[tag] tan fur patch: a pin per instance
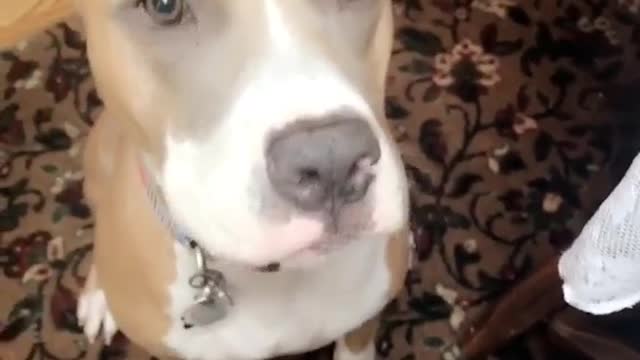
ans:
(398, 261)
(358, 339)
(133, 252)
(380, 58)
(19, 20)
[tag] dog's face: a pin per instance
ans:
(262, 120)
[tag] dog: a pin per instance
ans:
(249, 199)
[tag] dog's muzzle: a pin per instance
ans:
(322, 165)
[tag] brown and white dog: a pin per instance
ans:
(256, 128)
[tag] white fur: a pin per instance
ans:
(93, 313)
(292, 310)
(279, 35)
(215, 187)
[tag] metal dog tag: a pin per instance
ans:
(213, 302)
(205, 311)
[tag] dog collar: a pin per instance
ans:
(162, 211)
(178, 232)
(212, 301)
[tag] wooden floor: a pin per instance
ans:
(20, 19)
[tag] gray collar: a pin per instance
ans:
(160, 208)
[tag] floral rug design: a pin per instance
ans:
(497, 107)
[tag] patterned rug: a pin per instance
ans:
(497, 106)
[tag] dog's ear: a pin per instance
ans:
(78, 4)
(399, 260)
(21, 19)
(380, 49)
(82, 6)
(13, 11)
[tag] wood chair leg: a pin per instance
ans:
(525, 305)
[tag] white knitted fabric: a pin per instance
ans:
(601, 270)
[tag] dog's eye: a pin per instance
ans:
(164, 12)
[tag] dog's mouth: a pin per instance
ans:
(337, 234)
(304, 239)
(289, 236)
(318, 251)
(341, 227)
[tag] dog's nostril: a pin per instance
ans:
(311, 162)
(361, 167)
(360, 177)
(308, 176)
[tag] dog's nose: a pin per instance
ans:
(320, 164)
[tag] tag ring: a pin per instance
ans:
(198, 281)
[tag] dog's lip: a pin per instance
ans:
(319, 244)
(326, 245)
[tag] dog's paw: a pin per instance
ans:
(93, 315)
(343, 352)
(451, 352)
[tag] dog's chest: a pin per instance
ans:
(287, 311)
